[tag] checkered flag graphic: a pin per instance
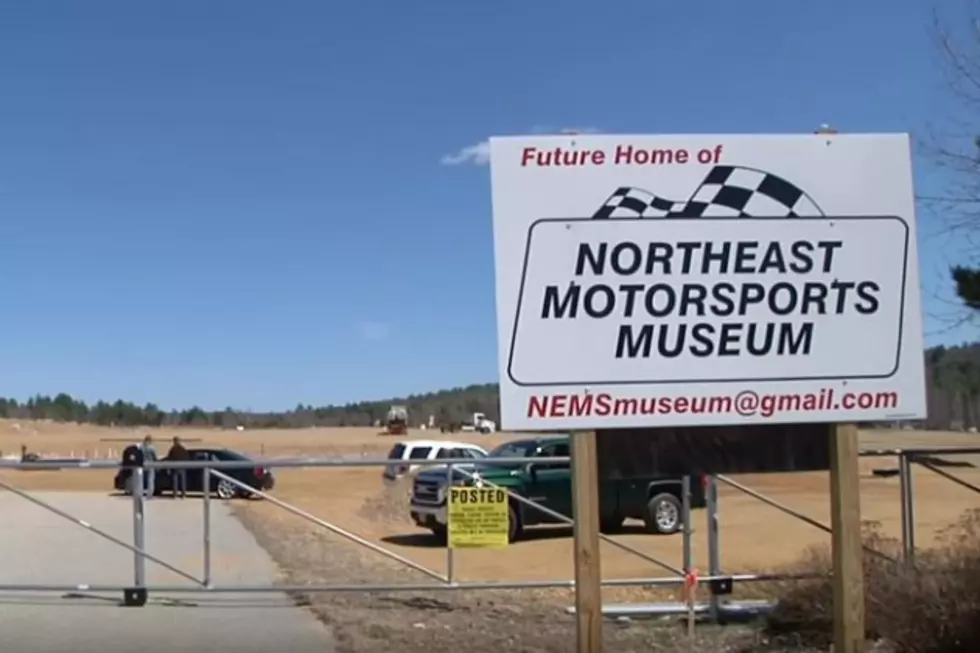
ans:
(726, 192)
(629, 202)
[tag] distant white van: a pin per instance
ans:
(407, 451)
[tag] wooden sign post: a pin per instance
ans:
(588, 574)
(845, 519)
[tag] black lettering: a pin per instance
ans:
(659, 253)
(650, 300)
(692, 295)
(687, 260)
(711, 256)
(773, 258)
(634, 259)
(728, 340)
(631, 289)
(867, 290)
(701, 335)
(801, 251)
(474, 496)
(841, 287)
(675, 351)
(794, 343)
(607, 299)
(829, 247)
(752, 293)
(773, 302)
(633, 347)
(703, 339)
(595, 260)
(745, 256)
(569, 304)
(722, 294)
(751, 342)
(501, 496)
(814, 294)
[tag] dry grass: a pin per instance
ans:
(931, 607)
(356, 500)
(528, 621)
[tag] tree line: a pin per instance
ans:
(445, 407)
(953, 390)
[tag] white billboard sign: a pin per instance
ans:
(697, 280)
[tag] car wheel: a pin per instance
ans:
(514, 529)
(226, 489)
(663, 514)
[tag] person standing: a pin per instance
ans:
(149, 475)
(178, 453)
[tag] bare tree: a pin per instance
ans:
(955, 149)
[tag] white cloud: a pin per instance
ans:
(479, 153)
(373, 331)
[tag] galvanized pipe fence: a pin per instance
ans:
(719, 583)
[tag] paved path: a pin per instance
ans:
(39, 547)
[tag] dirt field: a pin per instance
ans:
(755, 537)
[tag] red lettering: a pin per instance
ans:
(537, 406)
(628, 155)
(580, 405)
(681, 405)
(561, 157)
(602, 404)
(559, 404)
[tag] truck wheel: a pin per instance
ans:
(514, 529)
(663, 514)
(441, 534)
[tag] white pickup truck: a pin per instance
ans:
(478, 424)
(405, 456)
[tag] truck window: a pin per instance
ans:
(554, 451)
(446, 453)
(419, 453)
(396, 452)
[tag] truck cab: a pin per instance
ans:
(655, 501)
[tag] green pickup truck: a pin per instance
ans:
(655, 501)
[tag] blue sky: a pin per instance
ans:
(258, 204)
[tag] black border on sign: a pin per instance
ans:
(901, 310)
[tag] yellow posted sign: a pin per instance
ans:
(478, 517)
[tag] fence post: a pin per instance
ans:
(686, 520)
(714, 543)
(136, 596)
(907, 498)
(450, 552)
(688, 554)
(206, 486)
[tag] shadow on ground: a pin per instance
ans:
(427, 540)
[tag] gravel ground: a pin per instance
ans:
(528, 621)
